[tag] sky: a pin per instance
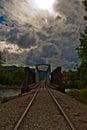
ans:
(41, 32)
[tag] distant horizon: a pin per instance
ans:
(34, 67)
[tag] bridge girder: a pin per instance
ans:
(38, 70)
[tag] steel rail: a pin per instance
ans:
(34, 86)
(25, 112)
(61, 110)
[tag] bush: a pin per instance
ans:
(11, 77)
(79, 94)
(77, 84)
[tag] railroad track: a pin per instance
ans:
(26, 111)
(49, 95)
(61, 110)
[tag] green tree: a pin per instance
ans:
(0, 59)
(85, 5)
(18, 76)
(82, 52)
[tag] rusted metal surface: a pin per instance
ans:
(29, 78)
(57, 78)
(32, 77)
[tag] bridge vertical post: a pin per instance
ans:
(37, 74)
(29, 78)
(57, 78)
(48, 74)
(60, 77)
(25, 83)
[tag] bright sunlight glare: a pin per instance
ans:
(45, 5)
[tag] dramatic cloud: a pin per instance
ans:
(41, 36)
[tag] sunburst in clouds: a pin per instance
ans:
(46, 5)
(51, 26)
(30, 12)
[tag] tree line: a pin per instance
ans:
(78, 78)
(11, 75)
(82, 52)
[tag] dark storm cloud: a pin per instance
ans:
(56, 38)
(41, 54)
(34, 58)
(13, 58)
(52, 51)
(23, 39)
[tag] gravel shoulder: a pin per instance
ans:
(12, 110)
(74, 109)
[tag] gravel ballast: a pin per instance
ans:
(43, 115)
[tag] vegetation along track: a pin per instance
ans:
(43, 113)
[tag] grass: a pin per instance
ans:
(79, 94)
(10, 87)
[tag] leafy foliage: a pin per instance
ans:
(74, 80)
(0, 59)
(80, 95)
(85, 5)
(82, 52)
(11, 76)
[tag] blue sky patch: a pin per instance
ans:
(2, 19)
